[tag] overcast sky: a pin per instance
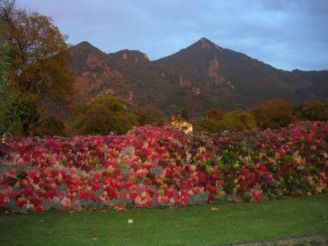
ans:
(287, 34)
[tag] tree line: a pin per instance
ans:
(273, 113)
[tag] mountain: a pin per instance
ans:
(201, 76)
(230, 79)
(127, 74)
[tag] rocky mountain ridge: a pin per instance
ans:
(201, 76)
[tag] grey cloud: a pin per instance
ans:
(287, 34)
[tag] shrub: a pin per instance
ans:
(207, 124)
(273, 113)
(236, 121)
(160, 167)
(18, 113)
(216, 121)
(50, 126)
(210, 121)
(103, 116)
(312, 110)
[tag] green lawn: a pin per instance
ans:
(232, 223)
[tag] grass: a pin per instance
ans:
(232, 223)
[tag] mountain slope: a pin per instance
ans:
(195, 79)
(126, 74)
(233, 79)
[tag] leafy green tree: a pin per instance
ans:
(18, 113)
(4, 62)
(312, 110)
(273, 113)
(236, 121)
(103, 116)
(4, 68)
(210, 120)
(50, 126)
(216, 120)
(39, 52)
(37, 69)
(207, 124)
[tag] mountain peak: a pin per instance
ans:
(85, 46)
(205, 40)
(134, 56)
(205, 44)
